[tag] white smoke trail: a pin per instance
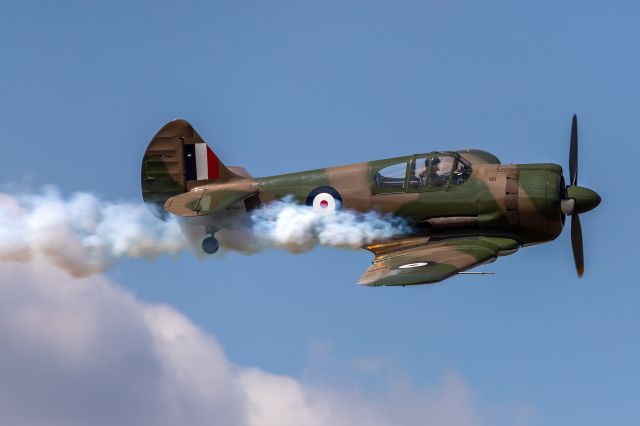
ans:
(296, 228)
(82, 234)
(85, 235)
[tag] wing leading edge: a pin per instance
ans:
(418, 261)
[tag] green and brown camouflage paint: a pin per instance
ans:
(499, 208)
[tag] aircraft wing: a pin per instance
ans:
(419, 261)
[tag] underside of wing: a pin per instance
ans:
(419, 261)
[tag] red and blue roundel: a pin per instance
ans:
(324, 199)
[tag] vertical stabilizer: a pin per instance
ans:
(177, 160)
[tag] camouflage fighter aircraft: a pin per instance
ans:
(465, 206)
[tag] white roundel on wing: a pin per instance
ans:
(413, 265)
(324, 203)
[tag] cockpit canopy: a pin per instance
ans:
(424, 172)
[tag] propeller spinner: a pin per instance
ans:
(577, 200)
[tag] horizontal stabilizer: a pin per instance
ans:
(202, 203)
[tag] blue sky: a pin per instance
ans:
(287, 85)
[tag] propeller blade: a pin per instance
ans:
(573, 152)
(576, 244)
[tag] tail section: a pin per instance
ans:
(177, 160)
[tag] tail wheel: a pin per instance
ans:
(210, 245)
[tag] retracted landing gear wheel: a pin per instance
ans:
(210, 245)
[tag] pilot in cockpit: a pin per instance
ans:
(422, 174)
(436, 177)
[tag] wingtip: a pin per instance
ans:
(366, 283)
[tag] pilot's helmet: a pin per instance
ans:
(435, 161)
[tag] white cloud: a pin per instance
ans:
(85, 351)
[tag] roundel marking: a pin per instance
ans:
(324, 203)
(324, 199)
(413, 265)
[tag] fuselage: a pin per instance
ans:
(476, 195)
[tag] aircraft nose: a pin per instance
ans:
(585, 199)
